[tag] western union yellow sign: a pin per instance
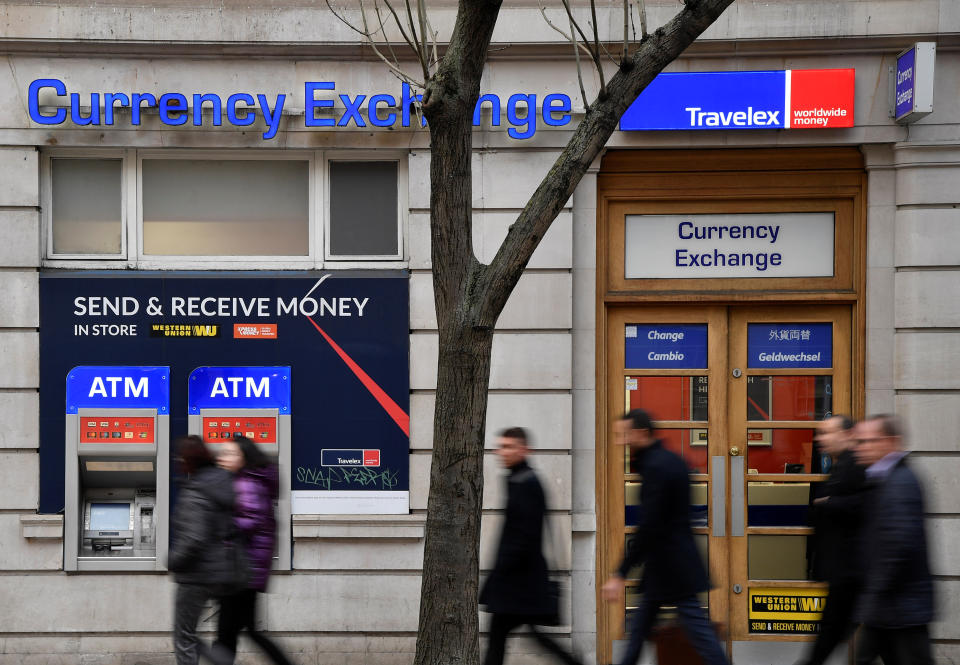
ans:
(794, 611)
(183, 330)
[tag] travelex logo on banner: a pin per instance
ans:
(666, 346)
(118, 387)
(241, 109)
(794, 345)
(784, 99)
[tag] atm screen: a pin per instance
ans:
(109, 516)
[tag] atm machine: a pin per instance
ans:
(226, 402)
(117, 468)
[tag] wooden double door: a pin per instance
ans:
(737, 392)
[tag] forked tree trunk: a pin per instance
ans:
(469, 297)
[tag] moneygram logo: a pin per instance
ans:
(255, 330)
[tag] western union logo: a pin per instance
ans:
(793, 604)
(183, 330)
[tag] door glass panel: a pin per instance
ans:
(689, 444)
(781, 451)
(636, 572)
(778, 504)
(777, 557)
(699, 515)
(789, 397)
(682, 398)
(631, 503)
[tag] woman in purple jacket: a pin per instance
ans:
(255, 486)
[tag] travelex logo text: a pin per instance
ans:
(788, 99)
(241, 109)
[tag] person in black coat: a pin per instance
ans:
(896, 603)
(518, 592)
(836, 518)
(199, 557)
(673, 572)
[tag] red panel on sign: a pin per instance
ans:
(371, 458)
(259, 429)
(111, 429)
(821, 98)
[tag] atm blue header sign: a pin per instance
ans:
(774, 99)
(118, 387)
(790, 345)
(666, 346)
(239, 388)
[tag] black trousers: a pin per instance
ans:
(237, 613)
(500, 627)
(837, 622)
(894, 646)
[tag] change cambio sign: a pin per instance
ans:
(729, 245)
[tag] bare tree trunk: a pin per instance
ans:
(448, 609)
(469, 298)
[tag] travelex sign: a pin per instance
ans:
(241, 109)
(666, 346)
(784, 99)
(703, 246)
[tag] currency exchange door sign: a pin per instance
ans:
(790, 611)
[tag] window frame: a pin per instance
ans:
(46, 202)
(298, 261)
(132, 256)
(402, 207)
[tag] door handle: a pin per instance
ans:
(735, 451)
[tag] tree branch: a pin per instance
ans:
(585, 145)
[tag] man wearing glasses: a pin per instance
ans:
(896, 603)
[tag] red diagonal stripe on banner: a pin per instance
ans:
(399, 416)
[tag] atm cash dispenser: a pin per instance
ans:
(226, 402)
(117, 468)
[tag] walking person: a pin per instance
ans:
(673, 572)
(896, 604)
(837, 517)
(256, 486)
(199, 557)
(518, 591)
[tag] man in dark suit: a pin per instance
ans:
(837, 517)
(517, 592)
(673, 572)
(896, 603)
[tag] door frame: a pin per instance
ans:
(646, 180)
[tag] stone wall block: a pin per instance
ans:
(20, 415)
(930, 420)
(21, 485)
(520, 361)
(547, 418)
(927, 237)
(20, 553)
(926, 360)
(20, 306)
(553, 471)
(927, 299)
(19, 360)
(21, 239)
(20, 185)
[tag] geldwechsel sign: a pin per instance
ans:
(729, 245)
(790, 345)
(344, 336)
(787, 611)
(779, 99)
